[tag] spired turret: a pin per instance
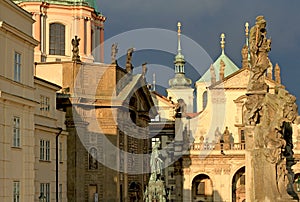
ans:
(180, 80)
(180, 85)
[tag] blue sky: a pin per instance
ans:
(203, 21)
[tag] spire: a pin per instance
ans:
(154, 81)
(179, 81)
(179, 34)
(247, 39)
(179, 58)
(222, 42)
(245, 50)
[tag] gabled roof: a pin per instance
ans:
(230, 68)
(165, 100)
(137, 83)
(239, 79)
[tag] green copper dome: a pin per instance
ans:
(90, 3)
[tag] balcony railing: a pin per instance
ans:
(217, 146)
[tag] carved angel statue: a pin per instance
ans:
(114, 51)
(260, 45)
(75, 50)
(155, 161)
(129, 66)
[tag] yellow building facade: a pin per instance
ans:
(30, 121)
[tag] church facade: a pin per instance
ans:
(208, 157)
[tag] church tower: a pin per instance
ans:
(57, 22)
(180, 85)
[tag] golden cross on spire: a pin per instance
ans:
(222, 42)
(179, 26)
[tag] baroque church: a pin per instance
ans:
(207, 161)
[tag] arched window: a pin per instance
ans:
(57, 39)
(93, 163)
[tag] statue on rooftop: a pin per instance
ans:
(75, 50)
(222, 70)
(114, 51)
(212, 74)
(129, 66)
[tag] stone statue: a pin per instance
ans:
(244, 53)
(259, 48)
(129, 66)
(180, 109)
(212, 74)
(222, 70)
(270, 71)
(155, 161)
(277, 74)
(75, 50)
(114, 51)
(155, 191)
(268, 128)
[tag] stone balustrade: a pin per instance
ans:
(217, 146)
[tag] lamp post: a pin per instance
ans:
(42, 197)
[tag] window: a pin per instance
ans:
(17, 67)
(45, 150)
(16, 132)
(57, 39)
(242, 136)
(44, 103)
(93, 164)
(16, 191)
(45, 191)
(154, 140)
(204, 100)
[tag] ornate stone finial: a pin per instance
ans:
(114, 51)
(277, 74)
(222, 42)
(212, 74)
(129, 66)
(144, 69)
(222, 70)
(75, 50)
